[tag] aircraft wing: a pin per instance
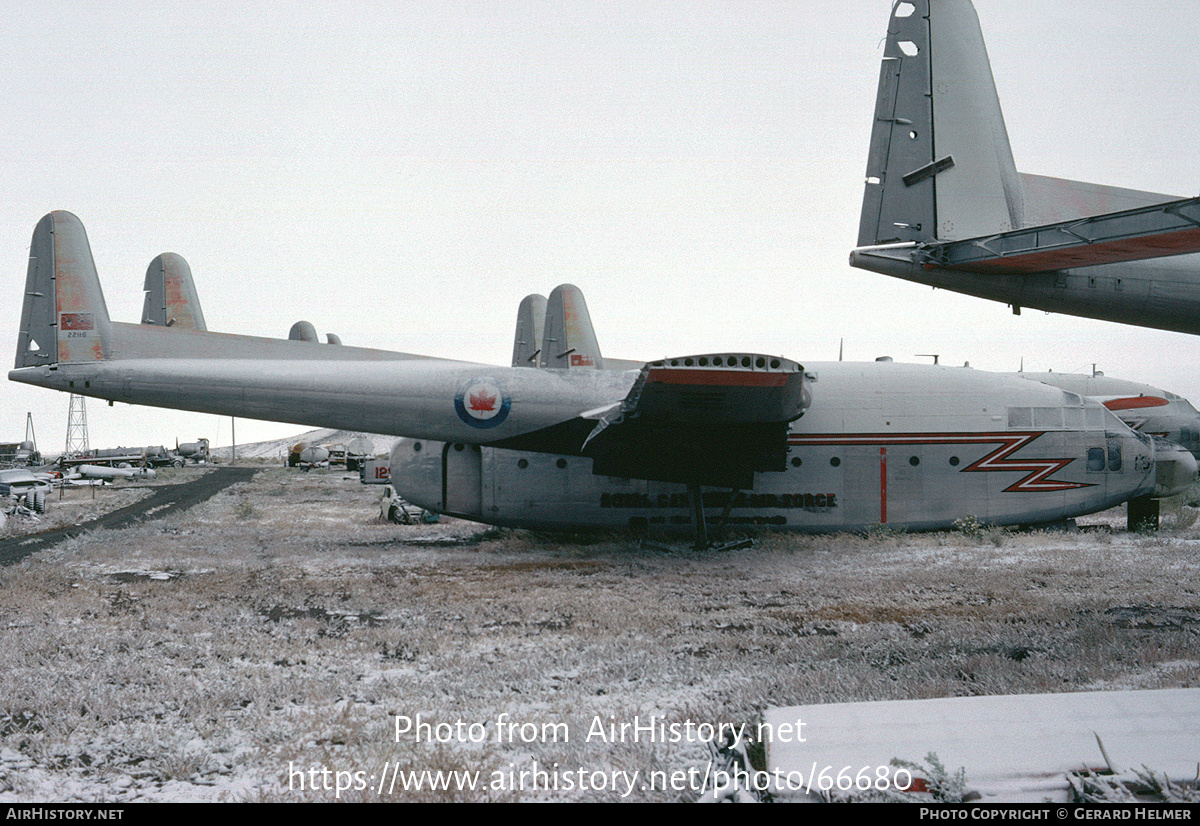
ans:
(710, 420)
(1156, 231)
(1014, 748)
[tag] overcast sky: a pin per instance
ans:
(403, 174)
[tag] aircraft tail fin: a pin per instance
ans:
(948, 179)
(531, 319)
(568, 338)
(171, 299)
(63, 317)
(303, 331)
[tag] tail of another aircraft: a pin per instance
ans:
(63, 317)
(568, 338)
(171, 299)
(953, 178)
(531, 319)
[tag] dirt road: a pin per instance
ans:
(165, 500)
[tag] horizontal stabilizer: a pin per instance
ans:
(709, 420)
(1156, 231)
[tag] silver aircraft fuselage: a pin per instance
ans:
(913, 447)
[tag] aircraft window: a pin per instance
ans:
(1020, 417)
(522, 463)
(1114, 456)
(1049, 417)
(796, 462)
(914, 460)
(745, 361)
(703, 362)
(835, 461)
(561, 463)
(416, 447)
(1095, 459)
(954, 461)
(760, 362)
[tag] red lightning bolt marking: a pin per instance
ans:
(1038, 470)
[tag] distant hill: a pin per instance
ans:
(278, 448)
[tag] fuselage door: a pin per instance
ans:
(462, 480)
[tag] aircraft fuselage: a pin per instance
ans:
(912, 447)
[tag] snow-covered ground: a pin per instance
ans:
(279, 642)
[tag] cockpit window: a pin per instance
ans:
(1090, 416)
(1048, 418)
(1114, 455)
(1020, 417)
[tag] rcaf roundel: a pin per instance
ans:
(481, 403)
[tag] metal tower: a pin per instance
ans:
(77, 437)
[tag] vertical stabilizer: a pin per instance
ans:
(171, 299)
(303, 331)
(527, 343)
(940, 165)
(568, 339)
(63, 317)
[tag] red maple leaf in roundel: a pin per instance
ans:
(483, 401)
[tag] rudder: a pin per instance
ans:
(63, 316)
(945, 180)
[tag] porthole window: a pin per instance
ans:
(796, 461)
(522, 463)
(835, 461)
(914, 460)
(561, 463)
(953, 461)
